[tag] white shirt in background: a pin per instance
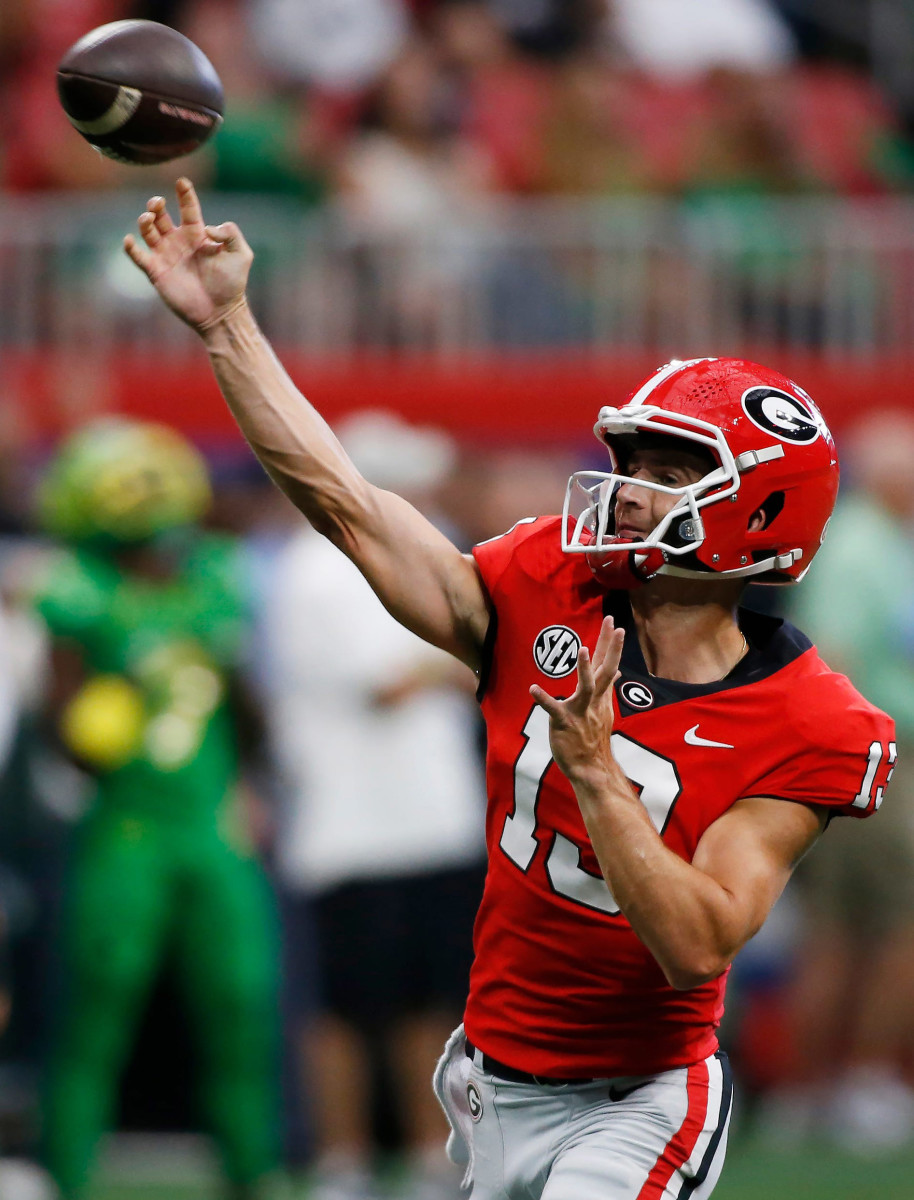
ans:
(371, 792)
(676, 39)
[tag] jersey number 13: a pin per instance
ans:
(654, 775)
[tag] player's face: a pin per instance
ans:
(639, 510)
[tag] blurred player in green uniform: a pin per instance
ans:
(147, 621)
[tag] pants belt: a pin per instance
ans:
(492, 1066)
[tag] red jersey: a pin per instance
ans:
(561, 985)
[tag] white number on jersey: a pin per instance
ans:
(866, 796)
(518, 838)
(655, 775)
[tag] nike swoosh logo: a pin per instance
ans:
(692, 739)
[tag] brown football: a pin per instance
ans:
(140, 92)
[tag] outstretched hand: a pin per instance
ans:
(580, 727)
(200, 271)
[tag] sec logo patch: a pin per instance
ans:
(474, 1101)
(555, 650)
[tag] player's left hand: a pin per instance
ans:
(579, 727)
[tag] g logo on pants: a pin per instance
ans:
(474, 1101)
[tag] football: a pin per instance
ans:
(140, 92)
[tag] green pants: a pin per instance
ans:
(141, 890)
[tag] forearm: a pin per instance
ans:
(291, 439)
(682, 915)
(418, 574)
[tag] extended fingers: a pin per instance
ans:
(552, 706)
(608, 653)
(607, 629)
(163, 222)
(137, 253)
(148, 229)
(188, 204)
(584, 690)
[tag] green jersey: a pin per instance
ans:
(174, 639)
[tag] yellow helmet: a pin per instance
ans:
(119, 480)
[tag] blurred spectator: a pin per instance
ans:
(380, 840)
(844, 130)
(590, 136)
(148, 620)
(550, 29)
(408, 166)
(875, 37)
(499, 97)
(339, 45)
(674, 40)
(840, 38)
(496, 486)
(743, 145)
(852, 1001)
(742, 156)
(268, 143)
(408, 171)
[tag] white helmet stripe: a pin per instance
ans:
(678, 364)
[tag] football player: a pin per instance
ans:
(658, 758)
(147, 615)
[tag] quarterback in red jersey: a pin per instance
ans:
(658, 760)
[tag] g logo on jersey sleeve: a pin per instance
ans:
(555, 650)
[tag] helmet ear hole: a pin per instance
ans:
(771, 507)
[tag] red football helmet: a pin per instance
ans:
(771, 450)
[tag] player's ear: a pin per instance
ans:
(757, 520)
(766, 512)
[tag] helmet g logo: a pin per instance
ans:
(780, 414)
(555, 650)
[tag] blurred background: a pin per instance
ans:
(229, 951)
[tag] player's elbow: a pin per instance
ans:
(701, 951)
(684, 981)
(692, 970)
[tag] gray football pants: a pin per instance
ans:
(650, 1137)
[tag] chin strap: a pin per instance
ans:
(626, 571)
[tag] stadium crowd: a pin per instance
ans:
(391, 104)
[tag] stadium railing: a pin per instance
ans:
(830, 276)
